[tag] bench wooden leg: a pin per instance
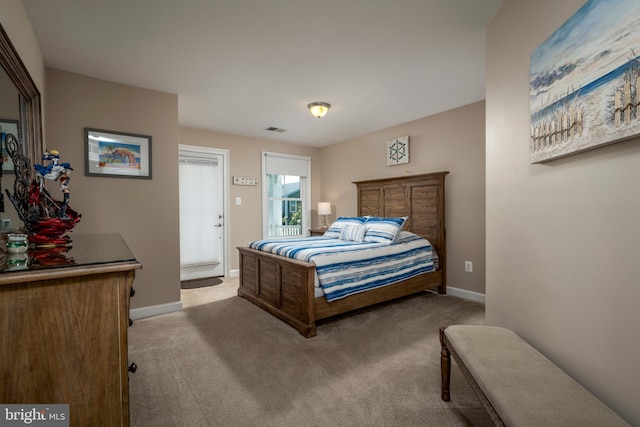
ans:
(445, 367)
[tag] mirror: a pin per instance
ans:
(21, 102)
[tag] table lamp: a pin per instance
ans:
(324, 209)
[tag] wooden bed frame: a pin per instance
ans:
(285, 287)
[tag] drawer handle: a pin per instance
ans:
(133, 368)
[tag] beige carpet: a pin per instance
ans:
(224, 362)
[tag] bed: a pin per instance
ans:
(286, 287)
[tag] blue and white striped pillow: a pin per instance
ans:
(335, 229)
(383, 230)
(353, 233)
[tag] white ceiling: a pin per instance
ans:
(240, 66)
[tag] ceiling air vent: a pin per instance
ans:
(274, 129)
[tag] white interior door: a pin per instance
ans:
(202, 213)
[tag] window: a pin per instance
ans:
(286, 185)
(284, 205)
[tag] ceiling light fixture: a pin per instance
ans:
(319, 109)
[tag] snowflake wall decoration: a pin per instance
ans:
(398, 151)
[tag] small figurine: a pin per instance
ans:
(49, 219)
(56, 171)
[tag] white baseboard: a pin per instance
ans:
(463, 293)
(155, 310)
(234, 273)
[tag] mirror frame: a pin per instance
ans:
(30, 103)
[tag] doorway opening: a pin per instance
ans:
(203, 187)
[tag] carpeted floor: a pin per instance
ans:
(224, 362)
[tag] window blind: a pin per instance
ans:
(281, 164)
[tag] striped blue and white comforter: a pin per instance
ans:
(344, 267)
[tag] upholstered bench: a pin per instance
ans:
(517, 385)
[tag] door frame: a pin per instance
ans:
(225, 193)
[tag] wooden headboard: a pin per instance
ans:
(419, 197)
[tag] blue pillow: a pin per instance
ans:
(383, 230)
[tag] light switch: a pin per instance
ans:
(238, 201)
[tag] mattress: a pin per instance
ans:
(345, 267)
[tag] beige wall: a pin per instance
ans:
(17, 26)
(144, 212)
(451, 141)
(562, 237)
(245, 222)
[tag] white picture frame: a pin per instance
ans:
(398, 151)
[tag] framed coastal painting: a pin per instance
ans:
(585, 81)
(117, 154)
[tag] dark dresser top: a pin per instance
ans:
(86, 250)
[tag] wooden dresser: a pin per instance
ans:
(63, 326)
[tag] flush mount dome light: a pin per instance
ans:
(319, 109)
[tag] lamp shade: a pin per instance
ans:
(319, 109)
(324, 208)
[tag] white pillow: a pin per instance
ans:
(353, 233)
(335, 229)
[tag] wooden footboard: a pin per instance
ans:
(281, 286)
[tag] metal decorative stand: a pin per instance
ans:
(45, 218)
(22, 169)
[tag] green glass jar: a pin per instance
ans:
(17, 243)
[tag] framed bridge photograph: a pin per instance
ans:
(117, 154)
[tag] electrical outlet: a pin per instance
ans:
(468, 266)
